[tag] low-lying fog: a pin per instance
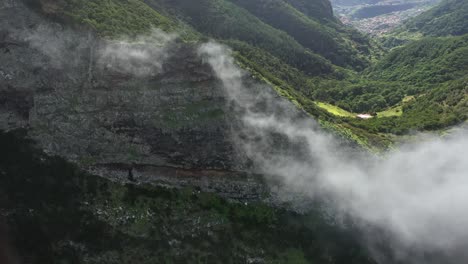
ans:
(417, 195)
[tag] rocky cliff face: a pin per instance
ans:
(80, 100)
(149, 106)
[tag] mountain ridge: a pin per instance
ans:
(126, 144)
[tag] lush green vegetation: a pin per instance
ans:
(426, 68)
(361, 95)
(448, 18)
(392, 111)
(114, 18)
(55, 213)
(224, 20)
(338, 111)
(426, 61)
(412, 69)
(117, 17)
(318, 9)
(321, 38)
(335, 110)
(441, 107)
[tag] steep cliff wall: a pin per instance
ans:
(82, 100)
(146, 105)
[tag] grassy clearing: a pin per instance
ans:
(408, 98)
(394, 111)
(335, 110)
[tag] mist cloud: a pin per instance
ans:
(418, 194)
(55, 43)
(140, 56)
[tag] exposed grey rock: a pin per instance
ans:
(77, 107)
(173, 123)
(7, 4)
(233, 185)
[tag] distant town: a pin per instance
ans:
(381, 17)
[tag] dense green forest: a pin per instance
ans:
(222, 19)
(448, 18)
(409, 70)
(321, 38)
(442, 106)
(427, 61)
(321, 10)
(118, 18)
(412, 80)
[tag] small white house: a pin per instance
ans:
(364, 116)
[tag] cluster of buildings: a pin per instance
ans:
(381, 24)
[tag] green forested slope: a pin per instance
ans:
(422, 83)
(426, 61)
(317, 9)
(435, 70)
(113, 18)
(440, 107)
(430, 74)
(322, 38)
(224, 20)
(118, 17)
(283, 46)
(448, 18)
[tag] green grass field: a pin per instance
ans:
(394, 111)
(338, 111)
(335, 110)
